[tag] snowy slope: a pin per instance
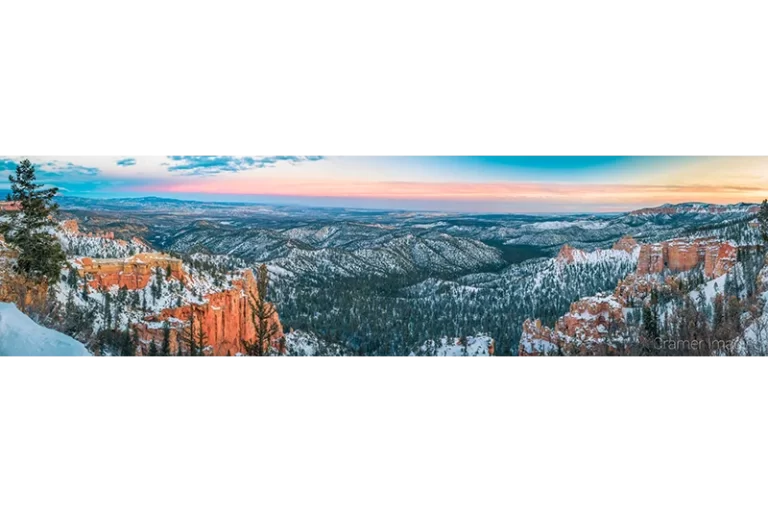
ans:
(20, 336)
(299, 343)
(480, 345)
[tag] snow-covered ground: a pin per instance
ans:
(479, 345)
(298, 343)
(20, 336)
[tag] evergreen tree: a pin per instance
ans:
(261, 316)
(189, 334)
(202, 342)
(165, 349)
(107, 309)
(86, 291)
(127, 342)
(762, 219)
(40, 255)
(72, 278)
(152, 348)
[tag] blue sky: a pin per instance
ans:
(451, 183)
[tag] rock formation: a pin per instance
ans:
(71, 227)
(225, 318)
(626, 244)
(133, 272)
(10, 206)
(569, 254)
(13, 287)
(596, 325)
(589, 328)
(681, 255)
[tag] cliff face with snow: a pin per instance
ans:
(225, 318)
(149, 292)
(20, 336)
(98, 244)
(592, 326)
(597, 325)
(624, 249)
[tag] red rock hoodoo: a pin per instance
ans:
(225, 318)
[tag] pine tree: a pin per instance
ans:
(127, 343)
(72, 278)
(261, 316)
(158, 290)
(762, 219)
(189, 334)
(152, 348)
(107, 309)
(202, 342)
(165, 350)
(40, 255)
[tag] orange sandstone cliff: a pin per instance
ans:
(71, 227)
(626, 244)
(133, 272)
(225, 318)
(681, 255)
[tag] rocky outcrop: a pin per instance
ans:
(133, 272)
(225, 319)
(13, 287)
(596, 325)
(72, 228)
(537, 340)
(10, 206)
(593, 326)
(569, 254)
(680, 255)
(626, 244)
(623, 248)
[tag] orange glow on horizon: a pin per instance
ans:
(461, 191)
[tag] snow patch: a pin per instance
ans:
(20, 336)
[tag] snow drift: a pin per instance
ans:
(20, 336)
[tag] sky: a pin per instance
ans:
(493, 184)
